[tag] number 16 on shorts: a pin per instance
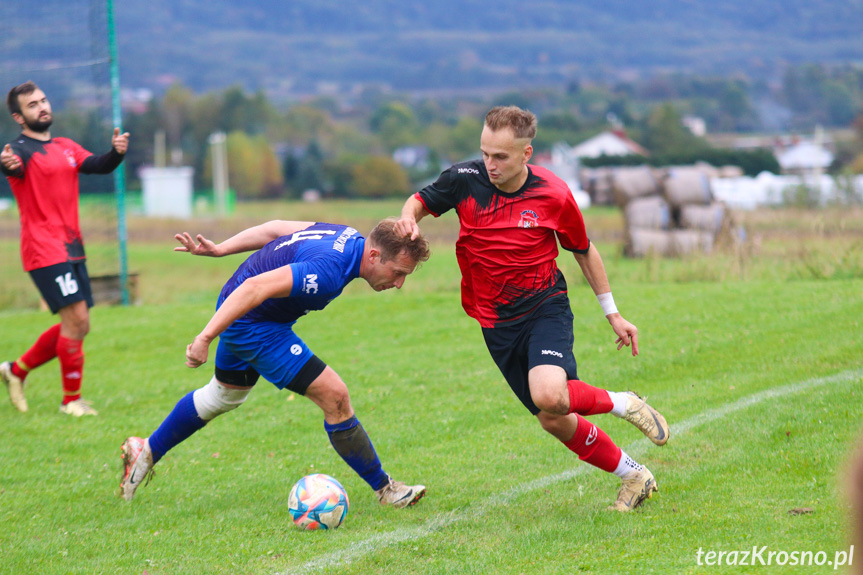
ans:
(67, 284)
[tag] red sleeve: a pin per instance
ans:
(570, 230)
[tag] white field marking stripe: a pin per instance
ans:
(377, 542)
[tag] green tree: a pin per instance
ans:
(302, 124)
(464, 140)
(253, 169)
(176, 115)
(665, 133)
(379, 177)
(395, 124)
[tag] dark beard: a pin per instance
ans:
(39, 126)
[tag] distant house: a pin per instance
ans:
(804, 158)
(697, 126)
(412, 157)
(609, 143)
(565, 167)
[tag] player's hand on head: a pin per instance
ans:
(120, 142)
(407, 227)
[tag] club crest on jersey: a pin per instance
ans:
(529, 219)
(70, 157)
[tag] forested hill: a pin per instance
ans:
(302, 45)
(305, 46)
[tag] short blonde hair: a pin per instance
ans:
(521, 122)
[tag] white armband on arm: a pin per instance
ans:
(606, 300)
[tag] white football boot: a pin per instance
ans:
(397, 494)
(635, 487)
(14, 385)
(137, 465)
(78, 408)
(645, 418)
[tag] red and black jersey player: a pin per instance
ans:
(43, 173)
(512, 216)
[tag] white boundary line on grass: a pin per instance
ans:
(377, 542)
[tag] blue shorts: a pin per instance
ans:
(270, 349)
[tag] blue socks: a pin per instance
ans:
(352, 443)
(180, 424)
(348, 438)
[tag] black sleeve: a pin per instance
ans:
(104, 164)
(10, 173)
(440, 196)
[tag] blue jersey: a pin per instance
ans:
(324, 258)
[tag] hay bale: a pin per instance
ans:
(707, 218)
(649, 212)
(731, 172)
(708, 170)
(684, 186)
(642, 242)
(633, 182)
(684, 242)
(598, 183)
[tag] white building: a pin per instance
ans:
(609, 144)
(804, 158)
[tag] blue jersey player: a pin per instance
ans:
(298, 267)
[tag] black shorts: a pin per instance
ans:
(63, 284)
(544, 338)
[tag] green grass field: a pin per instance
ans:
(754, 358)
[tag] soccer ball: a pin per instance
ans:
(318, 502)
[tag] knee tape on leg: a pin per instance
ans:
(214, 399)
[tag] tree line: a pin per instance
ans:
(343, 147)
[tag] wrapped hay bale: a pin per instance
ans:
(685, 186)
(684, 242)
(731, 172)
(633, 182)
(649, 212)
(642, 242)
(708, 170)
(602, 186)
(706, 218)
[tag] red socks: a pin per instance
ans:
(44, 350)
(592, 445)
(71, 355)
(50, 345)
(585, 399)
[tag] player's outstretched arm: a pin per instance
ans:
(10, 162)
(250, 239)
(120, 142)
(250, 294)
(594, 272)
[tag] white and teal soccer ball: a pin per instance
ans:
(318, 502)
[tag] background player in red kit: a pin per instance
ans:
(43, 173)
(512, 215)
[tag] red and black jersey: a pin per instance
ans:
(46, 190)
(507, 243)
